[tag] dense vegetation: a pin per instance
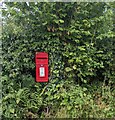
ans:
(80, 41)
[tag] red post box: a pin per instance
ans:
(41, 59)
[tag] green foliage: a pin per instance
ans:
(79, 38)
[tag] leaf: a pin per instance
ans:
(45, 23)
(56, 21)
(61, 21)
(78, 60)
(70, 61)
(68, 69)
(9, 96)
(84, 89)
(74, 67)
(18, 100)
(19, 92)
(69, 107)
(12, 110)
(61, 29)
(81, 48)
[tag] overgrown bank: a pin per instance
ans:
(79, 38)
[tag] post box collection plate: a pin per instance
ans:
(41, 59)
(42, 72)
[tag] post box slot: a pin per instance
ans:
(41, 58)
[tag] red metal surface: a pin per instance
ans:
(41, 59)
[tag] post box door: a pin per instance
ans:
(42, 73)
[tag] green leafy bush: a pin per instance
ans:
(79, 39)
